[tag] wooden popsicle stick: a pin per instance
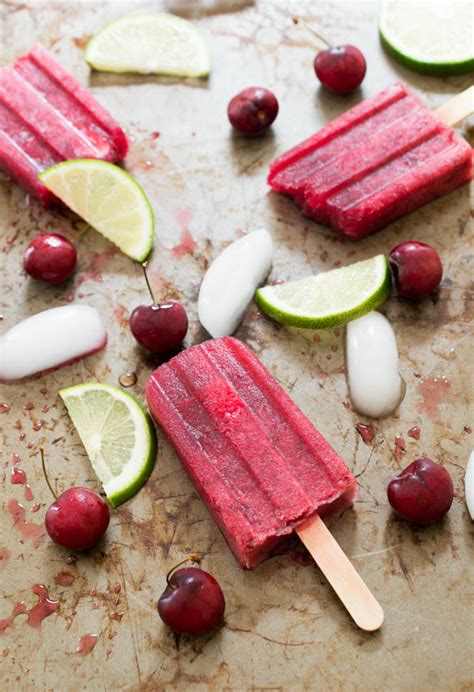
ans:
(457, 108)
(341, 574)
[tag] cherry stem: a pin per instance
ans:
(46, 475)
(148, 283)
(297, 20)
(190, 558)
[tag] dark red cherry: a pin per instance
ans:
(51, 258)
(422, 492)
(160, 327)
(77, 519)
(417, 269)
(192, 602)
(341, 68)
(252, 111)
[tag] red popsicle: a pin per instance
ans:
(46, 117)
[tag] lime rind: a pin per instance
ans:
(109, 199)
(413, 32)
(336, 297)
(182, 51)
(114, 425)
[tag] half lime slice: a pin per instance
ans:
(149, 43)
(329, 299)
(118, 435)
(109, 199)
(433, 37)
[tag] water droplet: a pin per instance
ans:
(128, 379)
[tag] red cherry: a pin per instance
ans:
(192, 602)
(422, 492)
(253, 110)
(159, 327)
(416, 268)
(77, 519)
(341, 68)
(51, 258)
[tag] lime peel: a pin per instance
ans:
(329, 299)
(118, 436)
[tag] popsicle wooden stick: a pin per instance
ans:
(341, 574)
(457, 108)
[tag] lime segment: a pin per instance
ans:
(109, 199)
(329, 299)
(433, 37)
(149, 43)
(118, 435)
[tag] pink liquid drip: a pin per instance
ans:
(64, 578)
(36, 507)
(366, 432)
(414, 432)
(4, 408)
(46, 606)
(186, 246)
(399, 447)
(117, 588)
(33, 532)
(18, 609)
(37, 425)
(16, 458)
(96, 264)
(117, 616)
(86, 644)
(45, 409)
(29, 406)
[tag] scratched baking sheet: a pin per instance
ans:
(284, 628)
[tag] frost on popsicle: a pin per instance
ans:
(49, 340)
(376, 387)
(230, 282)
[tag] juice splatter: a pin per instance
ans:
(86, 644)
(120, 314)
(366, 432)
(28, 530)
(414, 432)
(399, 447)
(186, 246)
(432, 390)
(64, 578)
(46, 606)
(4, 555)
(4, 408)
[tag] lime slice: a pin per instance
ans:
(151, 43)
(433, 37)
(329, 299)
(118, 435)
(109, 199)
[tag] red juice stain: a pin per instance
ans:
(36, 507)
(117, 616)
(302, 557)
(414, 432)
(64, 578)
(44, 390)
(120, 314)
(468, 429)
(45, 607)
(154, 135)
(366, 432)
(97, 262)
(117, 588)
(277, 282)
(5, 652)
(432, 390)
(37, 425)
(45, 409)
(337, 263)
(4, 408)
(18, 609)
(4, 555)
(86, 644)
(29, 406)
(186, 246)
(33, 532)
(16, 458)
(399, 447)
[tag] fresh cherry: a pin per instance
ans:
(422, 492)
(339, 68)
(78, 518)
(51, 258)
(192, 602)
(159, 327)
(252, 111)
(416, 268)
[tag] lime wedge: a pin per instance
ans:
(109, 199)
(118, 435)
(150, 43)
(433, 37)
(329, 299)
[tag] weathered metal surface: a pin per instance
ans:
(284, 627)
